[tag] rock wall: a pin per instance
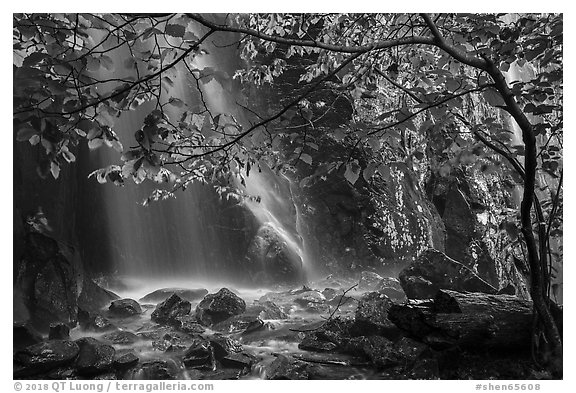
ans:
(382, 225)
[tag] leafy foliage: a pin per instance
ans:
(444, 93)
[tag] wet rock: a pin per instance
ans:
(93, 297)
(391, 287)
(224, 346)
(61, 373)
(425, 369)
(239, 323)
(254, 326)
(189, 324)
(369, 281)
(170, 309)
(219, 306)
(200, 355)
(222, 374)
(94, 322)
(162, 294)
(45, 356)
(379, 350)
(125, 308)
(284, 367)
(309, 299)
(121, 337)
(371, 316)
(266, 310)
(312, 342)
(171, 342)
(336, 330)
(59, 331)
(48, 282)
(410, 349)
(24, 336)
(126, 361)
(94, 357)
(238, 360)
(273, 259)
(106, 377)
(434, 270)
(330, 293)
(154, 370)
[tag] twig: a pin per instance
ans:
(340, 303)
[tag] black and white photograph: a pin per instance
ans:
(287, 196)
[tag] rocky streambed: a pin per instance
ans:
(330, 329)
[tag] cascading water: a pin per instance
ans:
(196, 237)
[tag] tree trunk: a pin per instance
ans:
(468, 320)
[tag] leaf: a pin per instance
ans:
(34, 140)
(375, 143)
(68, 156)
(25, 134)
(168, 81)
(130, 63)
(306, 158)
(370, 170)
(452, 85)
(95, 143)
(178, 103)
(175, 30)
(55, 169)
(493, 97)
(352, 172)
(107, 62)
(338, 134)
(445, 170)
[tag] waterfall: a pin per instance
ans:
(197, 236)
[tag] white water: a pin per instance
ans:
(194, 238)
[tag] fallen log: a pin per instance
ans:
(468, 320)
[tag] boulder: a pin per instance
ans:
(153, 370)
(162, 294)
(285, 367)
(44, 356)
(238, 360)
(24, 335)
(93, 297)
(371, 317)
(410, 349)
(125, 308)
(94, 322)
(369, 281)
(94, 357)
(121, 337)
(433, 270)
(392, 288)
(48, 281)
(238, 323)
(126, 361)
(219, 306)
(312, 342)
(224, 346)
(200, 355)
(170, 309)
(189, 324)
(377, 349)
(59, 331)
(426, 368)
(171, 342)
(274, 258)
(266, 310)
(309, 299)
